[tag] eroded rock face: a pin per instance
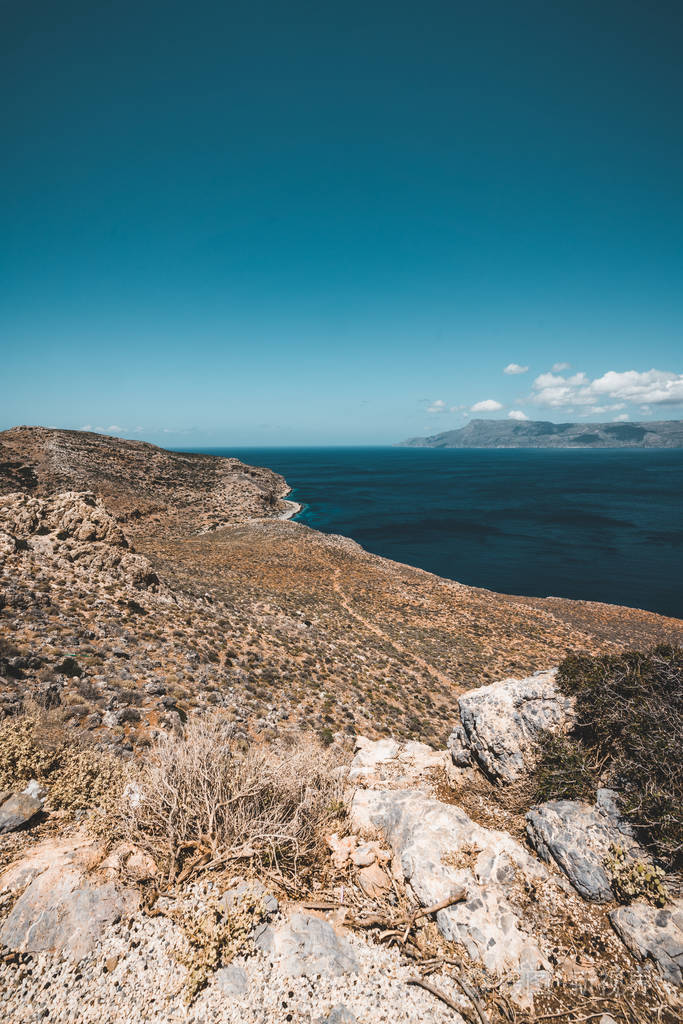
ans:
(577, 837)
(75, 528)
(500, 722)
(654, 933)
(307, 946)
(441, 849)
(64, 907)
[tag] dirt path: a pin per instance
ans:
(397, 646)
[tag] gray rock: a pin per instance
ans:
(459, 748)
(499, 723)
(340, 1015)
(441, 849)
(654, 933)
(110, 719)
(61, 906)
(577, 837)
(232, 980)
(62, 911)
(307, 946)
(18, 810)
(270, 903)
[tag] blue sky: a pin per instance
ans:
(310, 223)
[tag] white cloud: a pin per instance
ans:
(621, 418)
(113, 429)
(655, 387)
(512, 368)
(559, 367)
(438, 406)
(88, 426)
(488, 405)
(517, 414)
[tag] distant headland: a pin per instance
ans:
(544, 434)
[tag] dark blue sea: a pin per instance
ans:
(594, 524)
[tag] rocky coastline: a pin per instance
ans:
(136, 606)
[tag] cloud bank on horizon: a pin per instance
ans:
(624, 393)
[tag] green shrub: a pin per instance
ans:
(631, 879)
(629, 735)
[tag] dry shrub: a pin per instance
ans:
(203, 798)
(36, 745)
(565, 769)
(629, 735)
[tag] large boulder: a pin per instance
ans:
(499, 723)
(654, 933)
(577, 837)
(65, 906)
(440, 849)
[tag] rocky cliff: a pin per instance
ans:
(544, 434)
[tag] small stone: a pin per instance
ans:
(18, 810)
(342, 849)
(374, 881)
(365, 855)
(232, 980)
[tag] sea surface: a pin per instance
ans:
(602, 525)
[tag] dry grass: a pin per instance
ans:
(203, 800)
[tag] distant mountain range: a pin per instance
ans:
(543, 434)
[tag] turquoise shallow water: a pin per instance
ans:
(598, 525)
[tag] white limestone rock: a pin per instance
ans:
(499, 722)
(389, 762)
(441, 849)
(307, 946)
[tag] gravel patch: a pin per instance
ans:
(132, 976)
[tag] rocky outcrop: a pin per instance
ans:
(440, 849)
(654, 933)
(390, 762)
(499, 722)
(64, 907)
(577, 837)
(75, 530)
